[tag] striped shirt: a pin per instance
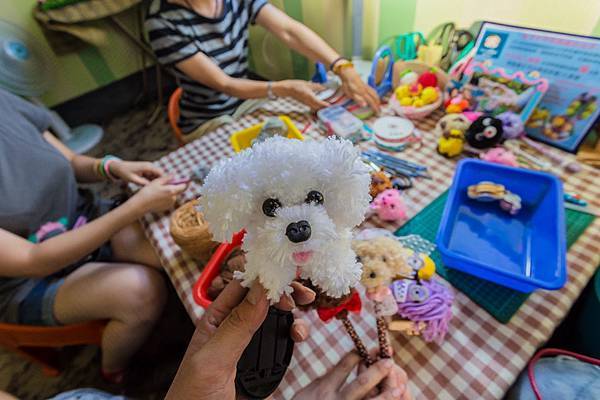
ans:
(177, 33)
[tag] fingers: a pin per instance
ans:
(314, 102)
(300, 330)
(316, 87)
(180, 188)
(237, 329)
(138, 180)
(230, 297)
(162, 180)
(372, 99)
(310, 98)
(153, 170)
(301, 295)
(368, 380)
(339, 374)
(394, 386)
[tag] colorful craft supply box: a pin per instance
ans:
(243, 139)
(525, 251)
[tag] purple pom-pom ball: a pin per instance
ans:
(512, 125)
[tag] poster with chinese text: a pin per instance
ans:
(570, 63)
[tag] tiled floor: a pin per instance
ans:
(129, 137)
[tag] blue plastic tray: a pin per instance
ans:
(526, 251)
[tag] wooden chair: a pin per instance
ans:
(40, 343)
(173, 112)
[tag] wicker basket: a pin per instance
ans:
(190, 231)
(411, 112)
(418, 67)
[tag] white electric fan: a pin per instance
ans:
(27, 69)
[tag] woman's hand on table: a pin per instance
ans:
(382, 380)
(303, 91)
(209, 366)
(138, 172)
(356, 89)
(157, 196)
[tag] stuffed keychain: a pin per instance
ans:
(382, 261)
(340, 308)
(297, 202)
(399, 271)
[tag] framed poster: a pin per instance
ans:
(494, 91)
(570, 63)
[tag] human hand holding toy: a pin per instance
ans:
(208, 372)
(297, 203)
(208, 369)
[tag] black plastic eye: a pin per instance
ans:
(314, 197)
(270, 206)
(372, 275)
(383, 258)
(358, 259)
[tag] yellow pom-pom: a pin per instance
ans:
(427, 271)
(402, 91)
(418, 103)
(429, 95)
(406, 101)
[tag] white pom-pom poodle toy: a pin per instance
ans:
(297, 201)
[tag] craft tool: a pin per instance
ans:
(575, 199)
(397, 160)
(569, 165)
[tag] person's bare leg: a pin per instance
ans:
(131, 245)
(130, 296)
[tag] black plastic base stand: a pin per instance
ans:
(267, 357)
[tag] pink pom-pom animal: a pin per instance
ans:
(389, 205)
(500, 155)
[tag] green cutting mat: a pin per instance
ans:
(501, 302)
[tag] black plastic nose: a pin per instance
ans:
(298, 232)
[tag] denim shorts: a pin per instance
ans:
(31, 301)
(37, 307)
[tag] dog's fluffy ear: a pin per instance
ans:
(226, 200)
(346, 181)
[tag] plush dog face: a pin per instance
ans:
(295, 199)
(383, 260)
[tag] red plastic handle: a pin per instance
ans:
(212, 268)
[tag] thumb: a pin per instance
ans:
(162, 180)
(237, 329)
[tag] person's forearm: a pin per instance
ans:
(84, 166)
(244, 88)
(62, 250)
(86, 169)
(306, 42)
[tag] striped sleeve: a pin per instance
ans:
(254, 7)
(168, 43)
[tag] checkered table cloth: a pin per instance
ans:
(480, 357)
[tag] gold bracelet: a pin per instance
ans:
(339, 66)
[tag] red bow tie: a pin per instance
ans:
(353, 304)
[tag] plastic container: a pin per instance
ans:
(243, 139)
(212, 268)
(526, 251)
